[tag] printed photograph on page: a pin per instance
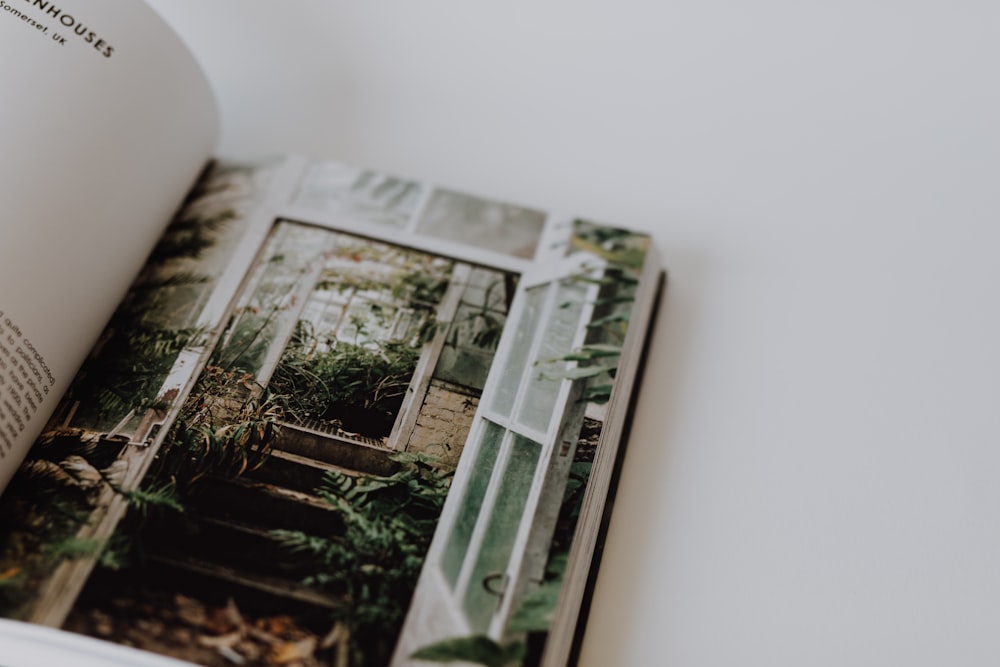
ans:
(363, 441)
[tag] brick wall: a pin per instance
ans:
(443, 421)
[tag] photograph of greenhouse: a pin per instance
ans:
(338, 448)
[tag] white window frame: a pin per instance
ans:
(438, 608)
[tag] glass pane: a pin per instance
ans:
(482, 597)
(557, 341)
(472, 501)
(269, 310)
(475, 329)
(364, 196)
(366, 321)
(513, 368)
(492, 225)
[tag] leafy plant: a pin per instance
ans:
(619, 247)
(478, 649)
(374, 563)
(421, 288)
(129, 371)
(144, 501)
(597, 361)
(43, 508)
(344, 378)
(226, 427)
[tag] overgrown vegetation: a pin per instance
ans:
(362, 387)
(597, 361)
(373, 564)
(336, 324)
(226, 427)
(44, 507)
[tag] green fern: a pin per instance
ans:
(374, 561)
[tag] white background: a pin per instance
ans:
(814, 477)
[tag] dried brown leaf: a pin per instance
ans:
(289, 652)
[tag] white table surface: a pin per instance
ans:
(814, 477)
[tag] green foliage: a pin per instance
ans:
(487, 330)
(615, 324)
(189, 237)
(537, 609)
(374, 563)
(597, 393)
(576, 486)
(624, 252)
(416, 278)
(50, 499)
(619, 247)
(116, 553)
(129, 371)
(604, 281)
(178, 278)
(226, 427)
(482, 324)
(421, 288)
(249, 335)
(161, 496)
(478, 649)
(595, 361)
(591, 352)
(578, 373)
(74, 547)
(347, 375)
(41, 511)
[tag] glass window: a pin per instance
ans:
(472, 501)
(365, 196)
(482, 597)
(512, 230)
(544, 380)
(475, 329)
(524, 334)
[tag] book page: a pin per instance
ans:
(106, 121)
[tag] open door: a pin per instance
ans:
(493, 538)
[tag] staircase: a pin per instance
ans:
(224, 546)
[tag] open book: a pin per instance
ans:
(286, 413)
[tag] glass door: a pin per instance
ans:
(493, 540)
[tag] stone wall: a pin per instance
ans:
(443, 421)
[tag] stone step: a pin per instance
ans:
(248, 590)
(264, 505)
(338, 450)
(292, 471)
(237, 545)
